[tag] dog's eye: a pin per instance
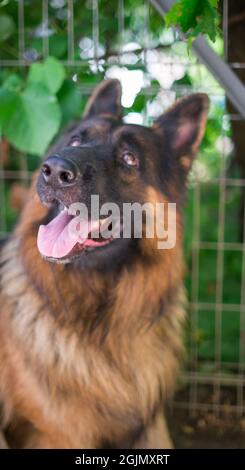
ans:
(75, 141)
(130, 159)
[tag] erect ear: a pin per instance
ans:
(183, 126)
(106, 99)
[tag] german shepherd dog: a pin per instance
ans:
(90, 332)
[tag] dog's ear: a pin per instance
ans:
(183, 126)
(105, 100)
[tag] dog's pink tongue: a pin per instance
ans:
(51, 237)
(58, 238)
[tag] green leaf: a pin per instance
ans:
(69, 98)
(50, 73)
(206, 23)
(8, 102)
(195, 17)
(172, 18)
(13, 82)
(214, 3)
(139, 103)
(185, 80)
(7, 27)
(58, 46)
(34, 120)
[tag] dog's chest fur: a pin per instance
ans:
(71, 384)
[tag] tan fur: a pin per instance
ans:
(56, 380)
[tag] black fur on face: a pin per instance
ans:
(120, 162)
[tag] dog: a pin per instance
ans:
(91, 329)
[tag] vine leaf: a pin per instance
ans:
(195, 17)
(29, 119)
(50, 73)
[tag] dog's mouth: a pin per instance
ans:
(68, 236)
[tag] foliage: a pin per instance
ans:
(45, 86)
(7, 27)
(31, 113)
(195, 17)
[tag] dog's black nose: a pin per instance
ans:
(59, 171)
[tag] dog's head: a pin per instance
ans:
(115, 163)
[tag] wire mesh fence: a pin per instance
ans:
(128, 40)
